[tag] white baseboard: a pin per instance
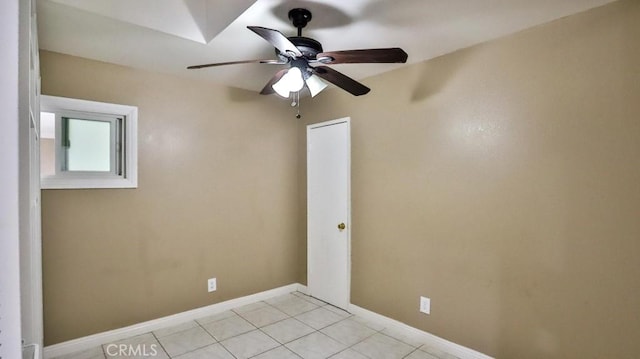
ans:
(95, 340)
(419, 335)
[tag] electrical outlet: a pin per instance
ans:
(425, 305)
(212, 285)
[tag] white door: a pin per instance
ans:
(328, 211)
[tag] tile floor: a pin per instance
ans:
(292, 326)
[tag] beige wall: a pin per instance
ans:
(503, 182)
(216, 197)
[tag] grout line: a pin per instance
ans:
(246, 320)
(267, 334)
(206, 331)
(214, 338)
(360, 341)
(278, 321)
(182, 331)
(179, 331)
(266, 325)
(305, 311)
(159, 343)
(401, 341)
(411, 352)
(228, 351)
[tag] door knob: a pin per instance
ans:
(342, 226)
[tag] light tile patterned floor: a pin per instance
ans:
(292, 326)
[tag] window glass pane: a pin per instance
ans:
(88, 145)
(47, 144)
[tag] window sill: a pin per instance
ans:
(86, 183)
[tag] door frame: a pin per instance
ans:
(10, 63)
(347, 120)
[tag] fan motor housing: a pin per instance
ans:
(307, 46)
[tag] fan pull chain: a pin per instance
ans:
(296, 102)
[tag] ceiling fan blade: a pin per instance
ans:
(268, 89)
(390, 55)
(343, 81)
(277, 39)
(273, 62)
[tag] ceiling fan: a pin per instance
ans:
(307, 61)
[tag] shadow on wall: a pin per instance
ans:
(434, 75)
(235, 94)
(238, 95)
(269, 103)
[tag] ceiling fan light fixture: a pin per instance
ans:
(292, 81)
(315, 84)
(301, 52)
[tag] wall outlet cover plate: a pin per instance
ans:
(425, 305)
(212, 285)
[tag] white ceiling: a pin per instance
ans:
(169, 35)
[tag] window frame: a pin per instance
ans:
(116, 134)
(101, 111)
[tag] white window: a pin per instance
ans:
(87, 144)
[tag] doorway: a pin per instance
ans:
(329, 212)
